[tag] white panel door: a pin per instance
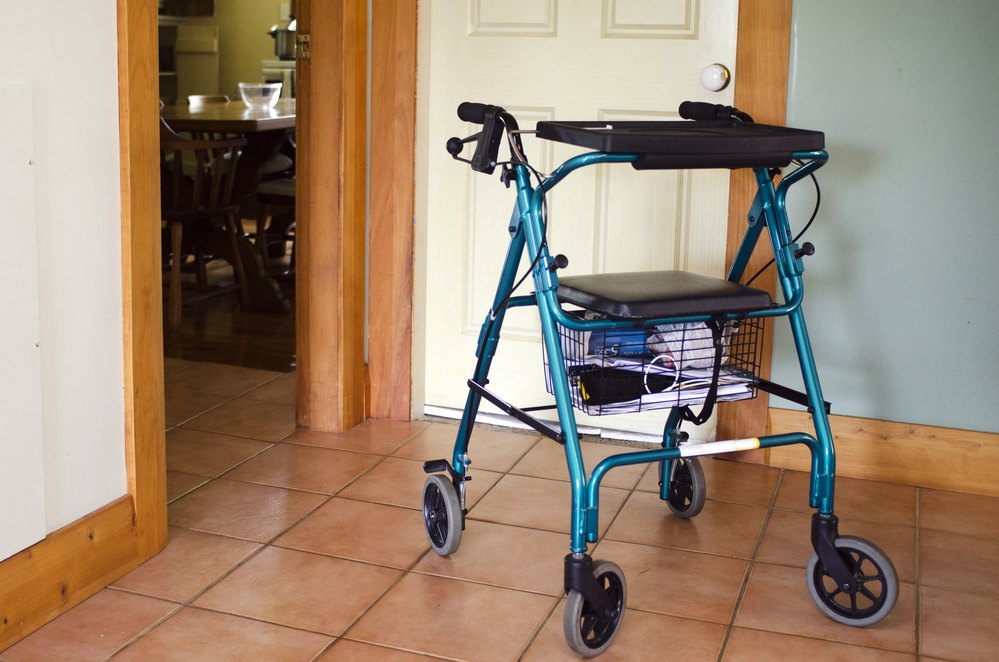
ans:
(22, 476)
(562, 60)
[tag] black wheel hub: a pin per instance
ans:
(681, 487)
(595, 627)
(435, 515)
(863, 602)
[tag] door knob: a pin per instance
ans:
(715, 77)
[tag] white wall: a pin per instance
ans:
(67, 53)
(22, 466)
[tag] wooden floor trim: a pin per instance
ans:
(904, 453)
(66, 568)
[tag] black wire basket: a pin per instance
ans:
(669, 365)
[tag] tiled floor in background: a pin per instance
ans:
(306, 546)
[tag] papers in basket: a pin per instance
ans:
(688, 386)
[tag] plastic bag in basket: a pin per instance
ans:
(689, 345)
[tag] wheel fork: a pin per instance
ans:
(825, 530)
(579, 577)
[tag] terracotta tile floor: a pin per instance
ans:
(299, 545)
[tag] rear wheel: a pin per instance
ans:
(687, 489)
(441, 514)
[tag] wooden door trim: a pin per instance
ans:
(330, 215)
(393, 169)
(142, 280)
(760, 76)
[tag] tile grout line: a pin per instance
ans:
(270, 542)
(631, 493)
(143, 632)
(411, 569)
(750, 568)
(198, 594)
(294, 489)
(544, 623)
(242, 562)
(405, 573)
(230, 397)
(262, 546)
(504, 474)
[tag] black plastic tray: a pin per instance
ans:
(686, 144)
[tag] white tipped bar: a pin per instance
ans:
(715, 447)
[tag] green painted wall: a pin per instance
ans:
(244, 41)
(902, 294)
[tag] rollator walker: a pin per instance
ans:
(670, 339)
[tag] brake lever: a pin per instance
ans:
(456, 144)
(484, 159)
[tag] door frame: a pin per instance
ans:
(762, 50)
(762, 60)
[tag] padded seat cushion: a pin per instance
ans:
(654, 294)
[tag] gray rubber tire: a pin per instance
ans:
(441, 514)
(876, 594)
(586, 633)
(688, 489)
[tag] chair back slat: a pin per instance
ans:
(177, 179)
(201, 174)
(231, 174)
(219, 165)
(199, 178)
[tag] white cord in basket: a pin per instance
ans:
(645, 374)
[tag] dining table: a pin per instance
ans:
(265, 129)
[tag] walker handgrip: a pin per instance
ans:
(698, 110)
(472, 112)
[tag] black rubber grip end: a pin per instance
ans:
(472, 112)
(698, 110)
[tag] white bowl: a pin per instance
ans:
(260, 95)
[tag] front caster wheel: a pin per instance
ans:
(587, 632)
(877, 582)
(686, 488)
(441, 514)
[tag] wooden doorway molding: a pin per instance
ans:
(761, 90)
(331, 177)
(330, 170)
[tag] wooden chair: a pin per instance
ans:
(271, 194)
(278, 166)
(198, 197)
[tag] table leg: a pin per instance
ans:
(262, 292)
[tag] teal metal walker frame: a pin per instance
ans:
(851, 580)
